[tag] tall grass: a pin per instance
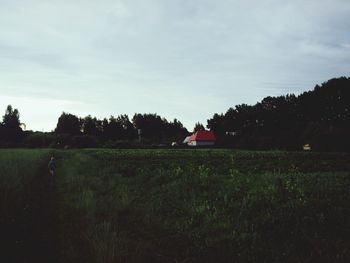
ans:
(17, 169)
(206, 206)
(189, 205)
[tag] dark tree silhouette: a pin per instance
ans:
(129, 131)
(68, 124)
(113, 129)
(320, 117)
(10, 128)
(158, 129)
(152, 125)
(91, 126)
(198, 127)
(176, 131)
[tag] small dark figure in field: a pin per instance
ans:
(52, 166)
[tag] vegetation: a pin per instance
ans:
(198, 127)
(319, 118)
(188, 205)
(10, 128)
(24, 215)
(118, 132)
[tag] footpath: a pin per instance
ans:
(32, 236)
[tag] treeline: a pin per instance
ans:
(320, 118)
(73, 131)
(114, 132)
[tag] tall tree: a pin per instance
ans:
(68, 124)
(112, 129)
(198, 127)
(11, 126)
(176, 131)
(91, 126)
(320, 117)
(152, 125)
(129, 131)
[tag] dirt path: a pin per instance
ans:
(33, 236)
(44, 220)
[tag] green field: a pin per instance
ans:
(174, 206)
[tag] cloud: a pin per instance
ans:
(122, 56)
(42, 113)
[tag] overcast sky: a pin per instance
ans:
(185, 59)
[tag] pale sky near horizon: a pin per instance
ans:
(184, 59)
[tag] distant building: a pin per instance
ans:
(187, 139)
(231, 133)
(307, 147)
(202, 138)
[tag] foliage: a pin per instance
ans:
(120, 131)
(174, 206)
(19, 170)
(68, 124)
(203, 206)
(10, 127)
(158, 129)
(320, 118)
(198, 127)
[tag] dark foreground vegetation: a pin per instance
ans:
(320, 118)
(174, 206)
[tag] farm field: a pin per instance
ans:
(182, 205)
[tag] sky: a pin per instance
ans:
(184, 59)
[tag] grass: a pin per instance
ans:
(19, 170)
(200, 205)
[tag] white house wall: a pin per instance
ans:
(201, 143)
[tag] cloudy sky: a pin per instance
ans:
(184, 59)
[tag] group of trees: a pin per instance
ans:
(10, 128)
(153, 128)
(89, 131)
(198, 127)
(320, 117)
(112, 128)
(113, 132)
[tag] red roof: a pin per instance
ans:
(202, 136)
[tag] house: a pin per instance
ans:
(202, 138)
(186, 140)
(307, 147)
